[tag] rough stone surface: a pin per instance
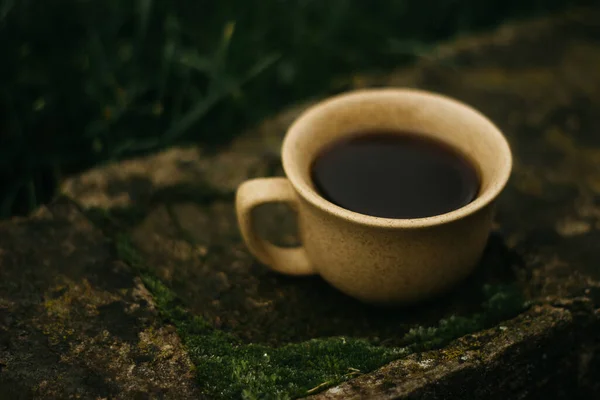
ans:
(539, 81)
(530, 357)
(490, 355)
(75, 322)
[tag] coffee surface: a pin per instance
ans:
(394, 175)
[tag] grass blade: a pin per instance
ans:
(213, 97)
(9, 197)
(198, 111)
(144, 10)
(5, 8)
(261, 66)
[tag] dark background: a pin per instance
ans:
(89, 81)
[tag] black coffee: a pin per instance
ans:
(395, 175)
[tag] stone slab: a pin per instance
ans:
(75, 322)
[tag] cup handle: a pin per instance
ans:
(252, 193)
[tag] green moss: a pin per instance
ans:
(126, 252)
(502, 302)
(227, 368)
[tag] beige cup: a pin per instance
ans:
(380, 260)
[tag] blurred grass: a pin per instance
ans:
(88, 81)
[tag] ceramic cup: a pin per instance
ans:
(380, 260)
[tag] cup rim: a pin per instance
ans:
(311, 196)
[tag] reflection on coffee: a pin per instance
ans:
(394, 175)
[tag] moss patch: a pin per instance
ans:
(502, 302)
(226, 367)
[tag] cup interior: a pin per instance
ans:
(424, 113)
